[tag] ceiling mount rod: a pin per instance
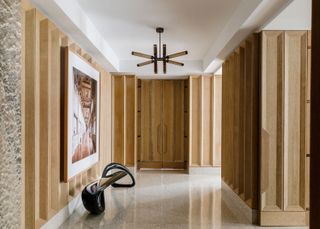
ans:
(159, 30)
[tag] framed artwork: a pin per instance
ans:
(81, 114)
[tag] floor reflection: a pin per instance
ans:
(164, 199)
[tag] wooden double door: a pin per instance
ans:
(162, 124)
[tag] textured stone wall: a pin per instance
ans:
(10, 114)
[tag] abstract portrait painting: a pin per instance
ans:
(81, 114)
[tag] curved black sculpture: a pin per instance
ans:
(93, 194)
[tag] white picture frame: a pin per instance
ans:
(81, 115)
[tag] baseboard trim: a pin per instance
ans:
(284, 219)
(250, 214)
(58, 219)
(204, 170)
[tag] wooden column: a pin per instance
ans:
(124, 119)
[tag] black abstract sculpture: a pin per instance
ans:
(93, 194)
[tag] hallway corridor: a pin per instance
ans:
(167, 199)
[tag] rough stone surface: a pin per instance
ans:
(10, 114)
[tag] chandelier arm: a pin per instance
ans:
(145, 63)
(175, 63)
(139, 54)
(174, 55)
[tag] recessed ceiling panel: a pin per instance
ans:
(191, 25)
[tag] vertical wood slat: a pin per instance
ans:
(294, 120)
(124, 89)
(308, 128)
(45, 118)
(31, 115)
(203, 149)
(284, 128)
(55, 97)
(118, 120)
(130, 116)
(42, 98)
(272, 118)
(194, 126)
(217, 120)
(206, 124)
(239, 134)
(251, 120)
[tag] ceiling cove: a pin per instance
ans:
(208, 29)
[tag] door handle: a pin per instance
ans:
(158, 138)
(164, 138)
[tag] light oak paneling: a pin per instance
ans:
(124, 118)
(195, 121)
(31, 99)
(295, 82)
(216, 124)
(118, 119)
(151, 128)
(272, 121)
(130, 116)
(240, 102)
(162, 124)
(173, 122)
(45, 193)
(284, 115)
(204, 115)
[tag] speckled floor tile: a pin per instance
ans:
(165, 199)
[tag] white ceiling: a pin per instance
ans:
(129, 25)
(208, 29)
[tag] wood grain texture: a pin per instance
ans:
(162, 130)
(130, 116)
(118, 119)
(173, 123)
(239, 135)
(272, 120)
(31, 116)
(295, 81)
(42, 139)
(195, 121)
(284, 103)
(217, 120)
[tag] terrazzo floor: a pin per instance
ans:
(167, 199)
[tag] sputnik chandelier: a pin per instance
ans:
(161, 57)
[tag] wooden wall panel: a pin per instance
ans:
(195, 121)
(130, 103)
(118, 119)
(162, 124)
(251, 120)
(284, 115)
(271, 121)
(172, 114)
(206, 121)
(295, 81)
(203, 149)
(43, 139)
(124, 118)
(31, 148)
(240, 102)
(216, 126)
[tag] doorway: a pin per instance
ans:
(162, 124)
